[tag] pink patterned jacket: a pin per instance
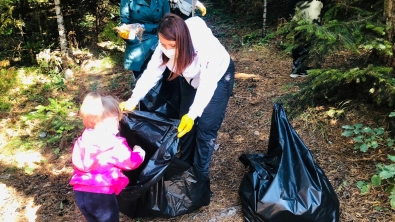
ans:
(98, 159)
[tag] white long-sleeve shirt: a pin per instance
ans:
(208, 67)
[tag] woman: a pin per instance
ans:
(190, 50)
(183, 8)
(147, 13)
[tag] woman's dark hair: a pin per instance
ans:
(173, 28)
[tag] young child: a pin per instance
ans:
(99, 156)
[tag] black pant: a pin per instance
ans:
(97, 207)
(197, 146)
(299, 56)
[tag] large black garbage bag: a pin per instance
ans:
(163, 98)
(181, 190)
(158, 137)
(163, 186)
(285, 184)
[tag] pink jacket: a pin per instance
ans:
(98, 159)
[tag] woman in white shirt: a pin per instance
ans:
(189, 49)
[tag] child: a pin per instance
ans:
(99, 156)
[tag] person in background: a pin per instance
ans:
(145, 14)
(183, 8)
(311, 11)
(98, 158)
(190, 50)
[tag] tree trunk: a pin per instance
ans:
(264, 18)
(389, 10)
(61, 29)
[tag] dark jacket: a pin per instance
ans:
(138, 11)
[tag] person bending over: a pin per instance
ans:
(190, 51)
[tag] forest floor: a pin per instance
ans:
(262, 75)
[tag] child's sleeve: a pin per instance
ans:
(126, 159)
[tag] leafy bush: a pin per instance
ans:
(358, 33)
(109, 34)
(366, 138)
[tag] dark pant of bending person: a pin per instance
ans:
(299, 56)
(197, 146)
(97, 207)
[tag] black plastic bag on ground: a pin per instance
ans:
(181, 190)
(163, 98)
(285, 184)
(162, 186)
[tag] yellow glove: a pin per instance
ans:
(122, 32)
(201, 7)
(185, 126)
(125, 106)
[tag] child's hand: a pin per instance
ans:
(139, 150)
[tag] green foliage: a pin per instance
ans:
(109, 34)
(392, 197)
(386, 172)
(56, 119)
(7, 22)
(252, 37)
(364, 137)
(351, 28)
(269, 36)
(8, 81)
(376, 180)
(333, 85)
(94, 86)
(364, 187)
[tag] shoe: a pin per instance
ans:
(296, 75)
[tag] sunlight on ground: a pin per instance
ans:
(14, 207)
(29, 158)
(17, 156)
(26, 160)
(241, 75)
(98, 64)
(32, 77)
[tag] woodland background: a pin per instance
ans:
(52, 53)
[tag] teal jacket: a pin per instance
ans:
(138, 11)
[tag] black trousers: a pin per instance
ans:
(97, 207)
(197, 146)
(299, 56)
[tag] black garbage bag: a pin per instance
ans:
(163, 98)
(285, 184)
(163, 186)
(158, 137)
(181, 190)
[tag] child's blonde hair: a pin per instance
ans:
(96, 108)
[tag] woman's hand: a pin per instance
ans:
(127, 106)
(201, 7)
(185, 126)
(130, 31)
